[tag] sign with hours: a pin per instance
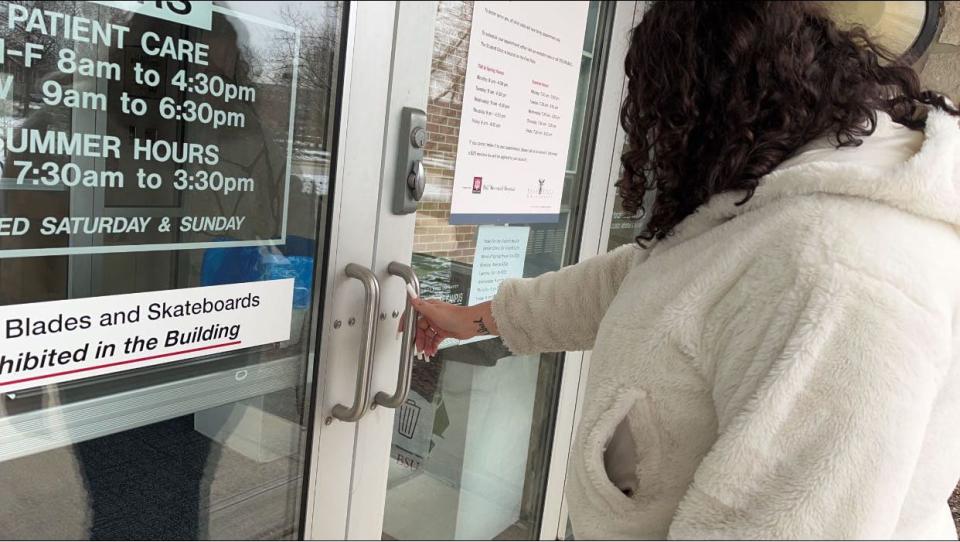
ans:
(520, 88)
(129, 126)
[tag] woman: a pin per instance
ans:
(777, 356)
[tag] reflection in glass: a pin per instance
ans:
(895, 25)
(213, 447)
(626, 227)
(471, 447)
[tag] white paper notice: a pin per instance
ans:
(59, 341)
(500, 254)
(519, 92)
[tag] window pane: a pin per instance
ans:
(471, 446)
(212, 446)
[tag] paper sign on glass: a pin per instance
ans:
(520, 87)
(501, 254)
(60, 341)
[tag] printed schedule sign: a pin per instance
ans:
(59, 341)
(501, 252)
(518, 99)
(132, 126)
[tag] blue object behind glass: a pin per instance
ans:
(247, 264)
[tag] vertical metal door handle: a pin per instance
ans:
(407, 273)
(371, 306)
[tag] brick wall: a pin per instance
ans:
(434, 235)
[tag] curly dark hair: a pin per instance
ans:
(720, 93)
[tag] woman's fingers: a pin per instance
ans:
(429, 336)
(422, 322)
(425, 333)
(435, 344)
(436, 321)
(421, 334)
(434, 338)
(424, 307)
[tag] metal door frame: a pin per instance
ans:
(596, 228)
(410, 61)
(389, 70)
(601, 203)
(368, 43)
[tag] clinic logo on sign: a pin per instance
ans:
(540, 191)
(477, 185)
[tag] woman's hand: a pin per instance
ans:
(437, 321)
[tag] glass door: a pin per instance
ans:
(168, 190)
(472, 443)
(477, 448)
(164, 165)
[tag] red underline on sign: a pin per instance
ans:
(115, 364)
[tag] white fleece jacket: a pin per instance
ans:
(784, 369)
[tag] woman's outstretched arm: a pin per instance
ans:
(557, 311)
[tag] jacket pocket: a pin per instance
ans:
(634, 406)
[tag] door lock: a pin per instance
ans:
(411, 179)
(418, 137)
(416, 180)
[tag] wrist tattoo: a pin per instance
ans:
(481, 327)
